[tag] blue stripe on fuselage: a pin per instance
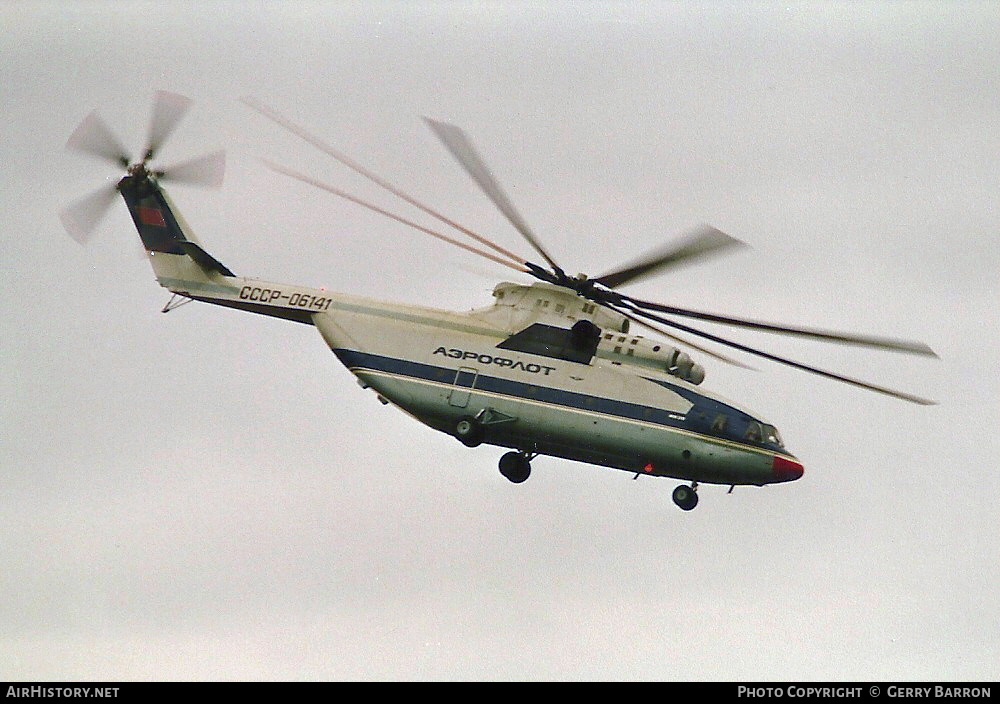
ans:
(353, 359)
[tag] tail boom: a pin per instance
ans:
(295, 303)
(183, 267)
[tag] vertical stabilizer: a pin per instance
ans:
(153, 217)
(170, 249)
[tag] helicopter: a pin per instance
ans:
(551, 367)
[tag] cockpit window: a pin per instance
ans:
(719, 424)
(772, 436)
(724, 421)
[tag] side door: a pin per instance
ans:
(465, 382)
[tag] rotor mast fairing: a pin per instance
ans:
(517, 306)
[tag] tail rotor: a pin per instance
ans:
(95, 138)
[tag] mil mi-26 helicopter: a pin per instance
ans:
(550, 368)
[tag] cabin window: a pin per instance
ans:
(618, 349)
(630, 351)
(560, 308)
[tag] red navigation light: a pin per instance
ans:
(648, 469)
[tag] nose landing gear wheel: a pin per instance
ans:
(685, 497)
(515, 466)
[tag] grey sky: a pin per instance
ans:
(209, 495)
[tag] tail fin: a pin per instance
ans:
(162, 233)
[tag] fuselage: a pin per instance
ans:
(612, 408)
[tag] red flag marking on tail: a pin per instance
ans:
(151, 216)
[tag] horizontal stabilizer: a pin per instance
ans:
(204, 259)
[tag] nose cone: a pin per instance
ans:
(786, 469)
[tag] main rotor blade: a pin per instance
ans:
(168, 110)
(461, 148)
(82, 216)
(92, 136)
(301, 132)
(882, 343)
(374, 208)
(707, 240)
(681, 340)
(207, 171)
(798, 365)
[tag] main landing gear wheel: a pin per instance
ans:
(686, 497)
(515, 466)
(469, 431)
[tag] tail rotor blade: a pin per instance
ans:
(168, 110)
(92, 136)
(82, 216)
(207, 171)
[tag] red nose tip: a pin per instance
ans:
(786, 470)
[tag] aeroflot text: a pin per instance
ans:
(490, 359)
